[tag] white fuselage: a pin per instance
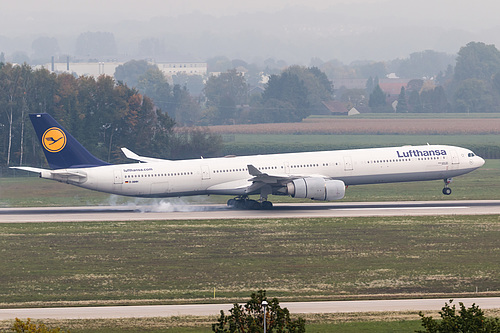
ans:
(230, 175)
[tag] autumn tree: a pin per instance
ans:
(414, 102)
(477, 60)
(402, 106)
(427, 63)
(194, 142)
(154, 84)
(377, 100)
(11, 97)
(184, 108)
(295, 94)
(435, 100)
(319, 88)
(224, 93)
(131, 72)
(473, 86)
(286, 98)
(100, 113)
(250, 317)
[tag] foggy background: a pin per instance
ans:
(293, 31)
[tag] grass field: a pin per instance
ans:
(373, 322)
(487, 145)
(477, 132)
(70, 264)
(183, 261)
(410, 116)
(369, 126)
(364, 141)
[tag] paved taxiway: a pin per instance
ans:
(214, 309)
(167, 211)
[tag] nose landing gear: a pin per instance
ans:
(446, 189)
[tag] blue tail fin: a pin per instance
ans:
(61, 148)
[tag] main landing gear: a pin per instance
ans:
(446, 189)
(243, 202)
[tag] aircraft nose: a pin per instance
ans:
(481, 161)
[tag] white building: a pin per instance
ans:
(108, 68)
(84, 68)
(188, 68)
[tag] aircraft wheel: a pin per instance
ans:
(231, 203)
(446, 191)
(252, 204)
(267, 205)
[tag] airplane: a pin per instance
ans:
(323, 175)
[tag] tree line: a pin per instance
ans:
(140, 106)
(471, 86)
(104, 115)
(294, 93)
(228, 98)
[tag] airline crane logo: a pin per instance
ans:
(54, 139)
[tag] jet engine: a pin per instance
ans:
(316, 188)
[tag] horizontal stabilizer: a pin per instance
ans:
(62, 175)
(30, 169)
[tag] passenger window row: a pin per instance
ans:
(160, 175)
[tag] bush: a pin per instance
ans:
(469, 320)
(250, 318)
(30, 327)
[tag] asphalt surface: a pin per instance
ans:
(169, 211)
(214, 309)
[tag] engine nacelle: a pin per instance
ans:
(316, 188)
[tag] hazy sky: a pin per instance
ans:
(365, 27)
(23, 15)
(147, 8)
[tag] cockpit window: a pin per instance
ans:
(471, 155)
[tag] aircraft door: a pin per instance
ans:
(205, 172)
(287, 167)
(347, 163)
(117, 176)
(454, 157)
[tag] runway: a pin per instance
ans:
(214, 309)
(166, 210)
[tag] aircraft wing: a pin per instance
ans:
(133, 156)
(262, 177)
(253, 185)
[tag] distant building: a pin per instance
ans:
(393, 86)
(349, 83)
(353, 112)
(108, 68)
(258, 90)
(188, 68)
(84, 68)
(332, 107)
